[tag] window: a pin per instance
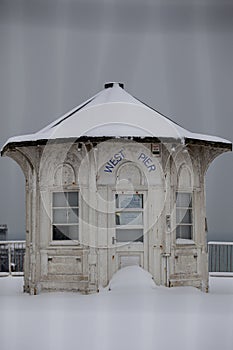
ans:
(129, 217)
(184, 221)
(65, 216)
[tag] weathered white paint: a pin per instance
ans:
(89, 263)
(98, 171)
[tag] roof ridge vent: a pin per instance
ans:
(112, 84)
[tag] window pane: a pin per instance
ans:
(184, 232)
(73, 232)
(72, 216)
(72, 199)
(129, 200)
(184, 216)
(184, 200)
(60, 216)
(65, 232)
(129, 235)
(59, 199)
(60, 233)
(129, 218)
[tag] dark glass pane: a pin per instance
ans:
(72, 216)
(117, 218)
(60, 199)
(184, 216)
(129, 235)
(129, 218)
(60, 233)
(72, 199)
(184, 200)
(65, 232)
(184, 231)
(59, 216)
(129, 200)
(73, 232)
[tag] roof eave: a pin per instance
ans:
(215, 144)
(96, 139)
(86, 139)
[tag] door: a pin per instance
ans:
(129, 260)
(128, 237)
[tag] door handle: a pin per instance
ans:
(113, 240)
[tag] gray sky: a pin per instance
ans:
(176, 56)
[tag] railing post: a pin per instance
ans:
(9, 257)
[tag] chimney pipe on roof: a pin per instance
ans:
(112, 84)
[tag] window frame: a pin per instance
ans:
(185, 209)
(67, 208)
(119, 210)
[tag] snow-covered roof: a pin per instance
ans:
(113, 113)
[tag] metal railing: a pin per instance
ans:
(220, 257)
(12, 257)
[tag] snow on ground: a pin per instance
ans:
(134, 314)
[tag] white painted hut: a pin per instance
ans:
(114, 183)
